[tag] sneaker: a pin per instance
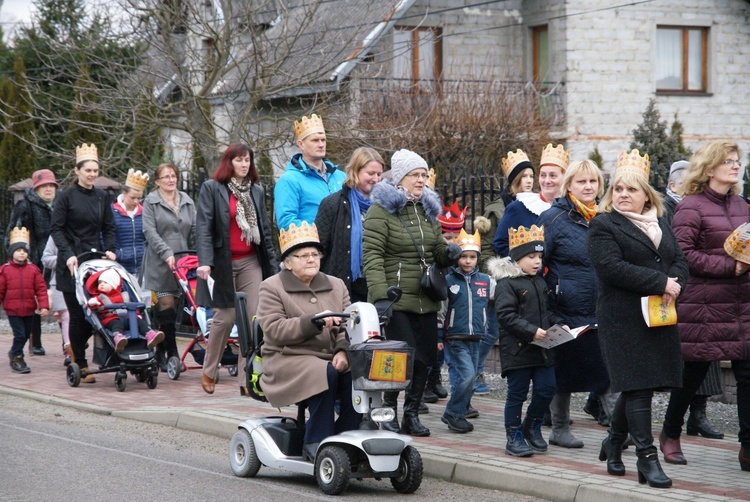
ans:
(471, 412)
(18, 365)
(153, 338)
(480, 388)
(457, 424)
(120, 342)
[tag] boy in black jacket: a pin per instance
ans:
(521, 305)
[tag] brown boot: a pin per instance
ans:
(208, 384)
(87, 378)
(671, 449)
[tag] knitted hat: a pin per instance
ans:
(43, 177)
(680, 165)
(19, 239)
(403, 162)
(523, 241)
(111, 277)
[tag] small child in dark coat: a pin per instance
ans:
(23, 293)
(521, 305)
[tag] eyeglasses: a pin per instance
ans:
(416, 176)
(309, 256)
(168, 177)
(729, 162)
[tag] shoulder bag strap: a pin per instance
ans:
(419, 251)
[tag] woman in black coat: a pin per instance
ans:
(340, 229)
(81, 220)
(635, 254)
(235, 248)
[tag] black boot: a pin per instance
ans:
(390, 400)
(612, 452)
(532, 433)
(515, 444)
(649, 470)
(166, 320)
(411, 424)
(698, 421)
(592, 406)
(434, 384)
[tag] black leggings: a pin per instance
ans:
(80, 329)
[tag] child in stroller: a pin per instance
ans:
(106, 289)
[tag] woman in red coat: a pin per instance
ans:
(714, 311)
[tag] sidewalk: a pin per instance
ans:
(476, 458)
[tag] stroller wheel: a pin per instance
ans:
(174, 367)
(73, 374)
(121, 381)
(232, 370)
(152, 379)
(140, 376)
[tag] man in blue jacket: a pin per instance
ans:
(309, 176)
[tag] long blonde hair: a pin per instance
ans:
(705, 159)
(633, 180)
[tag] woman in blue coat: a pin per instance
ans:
(570, 276)
(128, 215)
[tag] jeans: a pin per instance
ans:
(321, 423)
(693, 374)
(518, 391)
(488, 340)
(21, 327)
(463, 357)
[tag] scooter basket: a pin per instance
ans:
(381, 365)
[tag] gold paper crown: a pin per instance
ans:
(136, 180)
(452, 218)
(86, 152)
(633, 163)
(737, 244)
(521, 235)
(469, 242)
(513, 160)
(556, 156)
(19, 234)
(295, 235)
(307, 126)
(431, 179)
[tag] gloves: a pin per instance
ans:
(454, 251)
(94, 302)
(384, 310)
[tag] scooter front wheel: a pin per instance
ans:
(242, 455)
(332, 470)
(409, 471)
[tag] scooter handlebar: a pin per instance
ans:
(318, 319)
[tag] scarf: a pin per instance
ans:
(246, 218)
(409, 196)
(673, 195)
(588, 211)
(176, 208)
(359, 206)
(647, 222)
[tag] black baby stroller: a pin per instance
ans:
(136, 358)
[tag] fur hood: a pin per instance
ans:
(393, 200)
(502, 268)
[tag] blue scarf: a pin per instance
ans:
(359, 206)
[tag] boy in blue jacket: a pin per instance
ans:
(469, 292)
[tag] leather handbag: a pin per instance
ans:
(433, 279)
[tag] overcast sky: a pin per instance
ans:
(13, 12)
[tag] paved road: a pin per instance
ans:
(58, 453)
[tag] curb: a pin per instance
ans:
(465, 473)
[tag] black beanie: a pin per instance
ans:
(522, 250)
(518, 169)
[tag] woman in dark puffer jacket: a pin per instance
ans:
(714, 311)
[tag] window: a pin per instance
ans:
(540, 53)
(681, 59)
(416, 58)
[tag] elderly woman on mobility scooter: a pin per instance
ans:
(302, 361)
